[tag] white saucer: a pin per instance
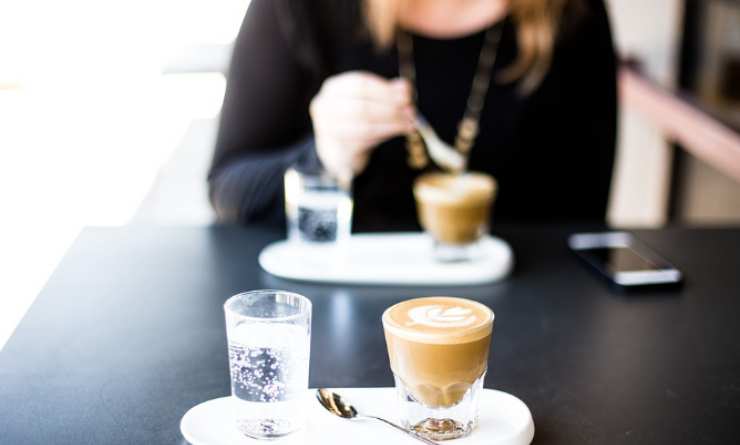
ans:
(389, 258)
(503, 420)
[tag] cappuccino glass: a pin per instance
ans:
(438, 350)
(455, 210)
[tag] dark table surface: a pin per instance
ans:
(129, 334)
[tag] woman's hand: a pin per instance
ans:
(354, 112)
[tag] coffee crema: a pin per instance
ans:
(438, 346)
(454, 208)
(439, 320)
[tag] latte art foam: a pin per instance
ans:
(438, 316)
(441, 320)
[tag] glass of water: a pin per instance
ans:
(318, 209)
(269, 336)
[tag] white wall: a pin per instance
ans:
(87, 118)
(649, 31)
(708, 196)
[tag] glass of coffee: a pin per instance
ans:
(438, 349)
(455, 210)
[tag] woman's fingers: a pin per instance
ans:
(363, 97)
(364, 110)
(367, 136)
(355, 111)
(373, 105)
(362, 120)
(361, 85)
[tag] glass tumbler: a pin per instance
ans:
(318, 208)
(269, 337)
(438, 349)
(454, 209)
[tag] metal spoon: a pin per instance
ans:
(443, 154)
(334, 404)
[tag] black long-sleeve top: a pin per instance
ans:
(551, 151)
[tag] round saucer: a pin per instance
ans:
(364, 259)
(503, 420)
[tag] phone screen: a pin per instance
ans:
(618, 259)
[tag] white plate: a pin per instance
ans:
(394, 258)
(503, 420)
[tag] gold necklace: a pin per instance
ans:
(468, 128)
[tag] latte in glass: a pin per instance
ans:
(455, 210)
(438, 350)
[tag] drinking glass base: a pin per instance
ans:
(455, 253)
(265, 428)
(442, 429)
(457, 419)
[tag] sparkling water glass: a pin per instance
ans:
(318, 209)
(269, 337)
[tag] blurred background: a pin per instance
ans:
(108, 113)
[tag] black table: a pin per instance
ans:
(128, 334)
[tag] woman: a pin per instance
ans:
(320, 79)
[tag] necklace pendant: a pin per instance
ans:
(467, 131)
(417, 156)
(468, 128)
(463, 146)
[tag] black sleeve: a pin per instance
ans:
(264, 125)
(593, 73)
(586, 124)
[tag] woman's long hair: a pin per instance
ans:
(537, 23)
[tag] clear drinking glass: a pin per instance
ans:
(454, 209)
(318, 209)
(438, 349)
(269, 337)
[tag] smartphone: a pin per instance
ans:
(623, 260)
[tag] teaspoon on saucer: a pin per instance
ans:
(334, 403)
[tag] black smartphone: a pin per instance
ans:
(623, 260)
